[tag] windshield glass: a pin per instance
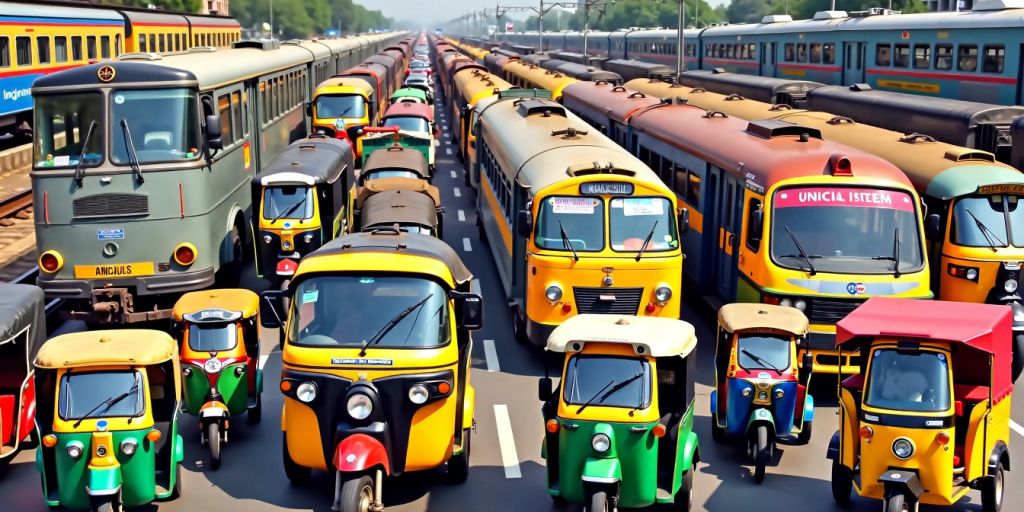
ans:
(981, 221)
(61, 125)
(292, 202)
(845, 230)
(633, 218)
(212, 337)
(908, 381)
(389, 173)
(419, 64)
(591, 377)
(163, 123)
(763, 352)
(409, 124)
(334, 106)
(345, 311)
(581, 219)
(81, 393)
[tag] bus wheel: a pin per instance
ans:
(992, 491)
(230, 273)
(842, 483)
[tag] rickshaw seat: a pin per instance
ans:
(6, 419)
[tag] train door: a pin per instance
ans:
(725, 231)
(767, 59)
(854, 62)
(1020, 76)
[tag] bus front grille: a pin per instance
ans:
(620, 301)
(111, 205)
(830, 311)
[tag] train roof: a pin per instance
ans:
(545, 78)
(316, 49)
(211, 21)
(750, 86)
(606, 100)
(84, 13)
(475, 82)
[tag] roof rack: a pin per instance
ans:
(830, 15)
(586, 169)
(524, 93)
(259, 44)
(542, 106)
(771, 128)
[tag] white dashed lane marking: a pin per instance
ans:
(462, 216)
(1017, 428)
(454, 175)
(457, 192)
(491, 356)
(466, 245)
(507, 443)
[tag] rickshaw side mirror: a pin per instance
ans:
(807, 362)
(684, 220)
(272, 309)
(524, 223)
(544, 389)
(309, 108)
(471, 310)
(213, 134)
(933, 227)
(756, 228)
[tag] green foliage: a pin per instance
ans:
(167, 5)
(305, 18)
(751, 11)
(643, 13)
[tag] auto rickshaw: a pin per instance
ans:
(412, 205)
(300, 200)
(22, 332)
(620, 426)
(927, 419)
(394, 161)
(412, 94)
(108, 411)
(760, 389)
(376, 361)
(343, 103)
(220, 346)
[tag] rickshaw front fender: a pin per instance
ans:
(103, 481)
(808, 407)
(1000, 457)
(469, 407)
(904, 481)
(359, 452)
(602, 471)
(833, 447)
(259, 380)
(179, 448)
(691, 452)
(761, 416)
(714, 403)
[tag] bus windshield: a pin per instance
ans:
(908, 381)
(607, 381)
(380, 311)
(94, 394)
(62, 126)
(575, 220)
(288, 202)
(408, 124)
(988, 221)
(845, 230)
(330, 106)
(163, 125)
(636, 219)
(763, 352)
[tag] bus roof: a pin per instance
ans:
(475, 83)
(606, 100)
(410, 109)
(540, 77)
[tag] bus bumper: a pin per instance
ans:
(537, 332)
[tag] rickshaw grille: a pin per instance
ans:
(617, 301)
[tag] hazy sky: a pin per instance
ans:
(431, 12)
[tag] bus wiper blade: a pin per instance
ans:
(79, 174)
(647, 240)
(291, 209)
(601, 397)
(803, 253)
(109, 402)
(759, 360)
(133, 157)
(985, 231)
(392, 323)
(565, 240)
(895, 258)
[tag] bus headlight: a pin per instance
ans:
(662, 294)
(74, 449)
(786, 301)
(418, 394)
(902, 448)
(1010, 285)
(359, 406)
(800, 304)
(601, 443)
(185, 254)
(51, 261)
(306, 392)
(553, 293)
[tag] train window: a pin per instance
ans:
(967, 57)
(883, 55)
(143, 47)
(752, 51)
(816, 52)
(922, 56)
(790, 52)
(680, 181)
(901, 55)
(801, 52)
(995, 55)
(5, 52)
(828, 53)
(943, 56)
(195, 40)
(224, 110)
(753, 206)
(90, 47)
(105, 47)
(43, 48)
(693, 190)
(162, 43)
(76, 48)
(60, 49)
(667, 172)
(117, 45)
(152, 43)
(23, 46)
(236, 112)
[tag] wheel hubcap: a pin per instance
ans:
(365, 499)
(999, 489)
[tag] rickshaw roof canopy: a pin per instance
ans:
(409, 109)
(397, 157)
(409, 91)
(398, 183)
(389, 241)
(136, 347)
(315, 159)
(745, 317)
(399, 207)
(22, 307)
(653, 336)
(238, 300)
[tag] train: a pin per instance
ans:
(42, 37)
(969, 55)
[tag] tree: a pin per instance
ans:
(166, 5)
(748, 11)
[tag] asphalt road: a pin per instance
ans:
(507, 472)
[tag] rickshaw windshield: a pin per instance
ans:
(382, 311)
(571, 220)
(335, 106)
(290, 202)
(908, 381)
(607, 381)
(983, 221)
(632, 219)
(390, 173)
(409, 124)
(106, 394)
(212, 337)
(763, 352)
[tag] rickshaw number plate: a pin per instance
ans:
(118, 270)
(361, 361)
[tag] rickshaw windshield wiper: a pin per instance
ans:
(81, 156)
(133, 157)
(108, 403)
(985, 231)
(291, 209)
(760, 360)
(612, 387)
(803, 253)
(895, 258)
(647, 240)
(392, 323)
(565, 240)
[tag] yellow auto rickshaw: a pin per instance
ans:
(108, 412)
(927, 419)
(376, 360)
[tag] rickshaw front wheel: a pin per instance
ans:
(992, 492)
(842, 483)
(213, 442)
(255, 414)
(106, 505)
(683, 499)
(805, 433)
(599, 502)
(458, 465)
(357, 495)
(717, 433)
(760, 453)
(897, 503)
(297, 475)
(178, 484)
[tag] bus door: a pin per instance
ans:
(767, 59)
(1020, 77)
(854, 62)
(726, 230)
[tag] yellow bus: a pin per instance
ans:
(469, 87)
(524, 74)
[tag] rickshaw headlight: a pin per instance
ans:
(212, 365)
(306, 392)
(553, 293)
(308, 238)
(972, 274)
(779, 393)
(286, 245)
(1010, 285)
(74, 449)
(762, 395)
(359, 406)
(747, 392)
(902, 448)
(128, 446)
(418, 394)
(800, 304)
(101, 450)
(601, 443)
(662, 294)
(786, 301)
(268, 239)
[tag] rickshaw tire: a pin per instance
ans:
(254, 415)
(760, 453)
(993, 491)
(296, 474)
(1017, 365)
(598, 502)
(458, 465)
(842, 484)
(178, 484)
(213, 442)
(106, 506)
(717, 433)
(351, 491)
(683, 500)
(805, 433)
(896, 503)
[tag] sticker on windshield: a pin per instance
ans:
(839, 196)
(573, 205)
(642, 206)
(62, 160)
(119, 99)
(310, 296)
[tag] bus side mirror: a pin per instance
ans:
(684, 220)
(272, 309)
(524, 223)
(544, 389)
(756, 228)
(933, 227)
(213, 135)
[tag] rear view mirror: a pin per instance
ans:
(756, 228)
(524, 223)
(544, 389)
(807, 362)
(309, 109)
(933, 227)
(684, 220)
(213, 135)
(272, 313)
(471, 310)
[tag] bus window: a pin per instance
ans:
(76, 48)
(922, 56)
(60, 47)
(967, 57)
(236, 110)
(901, 56)
(944, 56)
(162, 43)
(815, 52)
(883, 55)
(801, 52)
(152, 43)
(171, 136)
(90, 47)
(995, 54)
(753, 206)
(224, 109)
(693, 191)
(631, 219)
(5, 52)
(23, 46)
(143, 47)
(43, 47)
(829, 53)
(681, 181)
(117, 45)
